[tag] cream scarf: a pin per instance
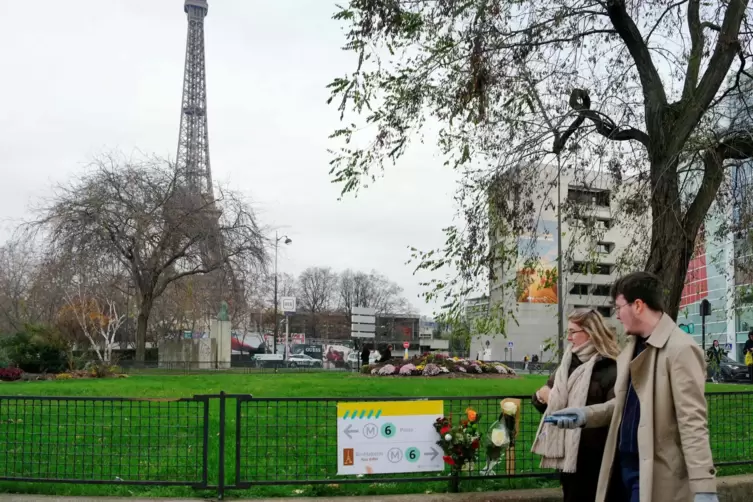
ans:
(559, 447)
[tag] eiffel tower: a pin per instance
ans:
(193, 141)
(193, 154)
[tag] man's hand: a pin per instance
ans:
(570, 418)
(706, 497)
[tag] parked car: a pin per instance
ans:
(732, 371)
(303, 361)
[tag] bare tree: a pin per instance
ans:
(316, 292)
(635, 90)
(27, 293)
(140, 214)
(99, 320)
(359, 289)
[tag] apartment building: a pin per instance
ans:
(527, 292)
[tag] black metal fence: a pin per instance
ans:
(227, 442)
(239, 367)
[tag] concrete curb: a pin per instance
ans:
(731, 489)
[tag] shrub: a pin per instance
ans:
(63, 376)
(387, 369)
(407, 370)
(4, 359)
(36, 350)
(97, 369)
(10, 374)
(431, 369)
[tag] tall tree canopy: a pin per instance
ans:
(637, 90)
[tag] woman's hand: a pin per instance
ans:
(543, 394)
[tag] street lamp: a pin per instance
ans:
(286, 240)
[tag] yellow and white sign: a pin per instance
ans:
(386, 437)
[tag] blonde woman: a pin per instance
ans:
(586, 376)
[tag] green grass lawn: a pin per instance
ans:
(288, 440)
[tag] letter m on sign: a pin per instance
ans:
(370, 431)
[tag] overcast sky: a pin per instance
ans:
(87, 76)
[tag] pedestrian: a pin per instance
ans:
(748, 351)
(658, 448)
(365, 353)
(386, 354)
(714, 354)
(585, 377)
(525, 362)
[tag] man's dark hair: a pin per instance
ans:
(643, 286)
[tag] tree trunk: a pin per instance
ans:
(672, 243)
(142, 323)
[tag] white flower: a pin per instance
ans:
(509, 408)
(448, 437)
(499, 436)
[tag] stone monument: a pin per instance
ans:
(219, 331)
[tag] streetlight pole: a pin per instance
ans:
(560, 271)
(277, 325)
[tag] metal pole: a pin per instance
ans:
(277, 329)
(560, 275)
(287, 335)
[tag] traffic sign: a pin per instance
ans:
(387, 437)
(509, 345)
(288, 305)
(728, 346)
(406, 345)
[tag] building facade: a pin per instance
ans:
(592, 244)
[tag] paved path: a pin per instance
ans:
(504, 496)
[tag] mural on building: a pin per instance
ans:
(537, 279)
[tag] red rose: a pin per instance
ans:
(444, 430)
(475, 444)
(448, 460)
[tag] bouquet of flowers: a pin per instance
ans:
(460, 441)
(501, 436)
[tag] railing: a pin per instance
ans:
(224, 442)
(239, 367)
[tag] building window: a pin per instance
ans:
(603, 223)
(605, 311)
(601, 290)
(588, 196)
(585, 268)
(604, 247)
(579, 289)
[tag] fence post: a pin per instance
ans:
(455, 481)
(221, 468)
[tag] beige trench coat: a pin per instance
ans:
(669, 378)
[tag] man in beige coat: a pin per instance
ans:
(658, 448)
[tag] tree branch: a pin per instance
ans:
(696, 48)
(727, 46)
(653, 90)
(580, 101)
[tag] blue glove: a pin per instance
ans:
(570, 418)
(706, 497)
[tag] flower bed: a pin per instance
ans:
(430, 365)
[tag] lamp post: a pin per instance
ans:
(560, 271)
(286, 240)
